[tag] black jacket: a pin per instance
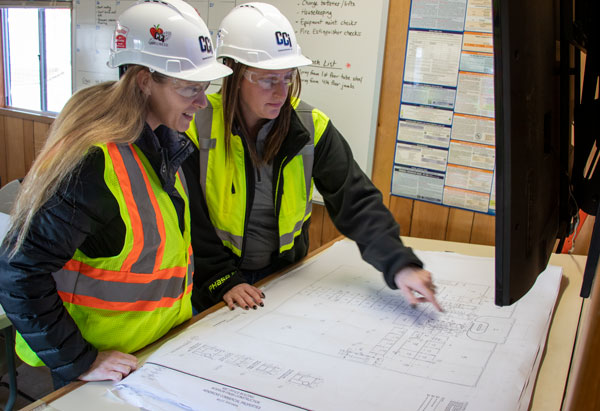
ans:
(82, 214)
(353, 202)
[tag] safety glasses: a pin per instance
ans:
(270, 81)
(189, 89)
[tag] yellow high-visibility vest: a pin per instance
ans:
(127, 301)
(223, 178)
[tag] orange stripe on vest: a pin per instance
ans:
(134, 216)
(94, 302)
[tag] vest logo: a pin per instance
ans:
(283, 39)
(205, 44)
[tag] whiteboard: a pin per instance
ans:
(345, 40)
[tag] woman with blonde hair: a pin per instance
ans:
(259, 151)
(98, 260)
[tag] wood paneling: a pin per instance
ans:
(389, 103)
(329, 232)
(316, 226)
(484, 229)
(460, 224)
(402, 209)
(21, 137)
(15, 151)
(28, 144)
(429, 221)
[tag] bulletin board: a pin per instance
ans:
(345, 40)
(445, 144)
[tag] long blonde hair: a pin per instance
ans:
(110, 112)
(232, 113)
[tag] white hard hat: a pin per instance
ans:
(167, 36)
(258, 35)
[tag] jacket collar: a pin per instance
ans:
(296, 139)
(166, 149)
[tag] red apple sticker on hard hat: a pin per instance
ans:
(157, 33)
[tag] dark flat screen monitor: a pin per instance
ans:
(530, 142)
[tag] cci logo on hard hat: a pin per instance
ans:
(205, 44)
(283, 39)
(159, 36)
(157, 33)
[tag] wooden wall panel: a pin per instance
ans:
(429, 221)
(316, 227)
(28, 144)
(484, 229)
(460, 224)
(15, 151)
(21, 137)
(389, 103)
(402, 209)
(329, 231)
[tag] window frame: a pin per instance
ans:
(4, 46)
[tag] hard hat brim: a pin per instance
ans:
(206, 73)
(275, 64)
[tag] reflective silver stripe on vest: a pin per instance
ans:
(304, 112)
(235, 240)
(203, 121)
(145, 262)
(113, 291)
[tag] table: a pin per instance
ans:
(552, 376)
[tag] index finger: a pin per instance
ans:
(430, 296)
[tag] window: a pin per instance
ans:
(37, 57)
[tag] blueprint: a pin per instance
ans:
(333, 336)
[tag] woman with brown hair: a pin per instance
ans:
(98, 260)
(260, 149)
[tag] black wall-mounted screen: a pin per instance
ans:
(530, 142)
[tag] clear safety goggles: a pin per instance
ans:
(189, 89)
(270, 81)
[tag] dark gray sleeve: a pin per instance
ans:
(356, 208)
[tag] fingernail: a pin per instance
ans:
(262, 295)
(246, 307)
(232, 308)
(262, 305)
(254, 307)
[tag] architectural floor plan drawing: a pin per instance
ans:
(333, 336)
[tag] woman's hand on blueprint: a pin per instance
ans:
(417, 286)
(245, 296)
(110, 365)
